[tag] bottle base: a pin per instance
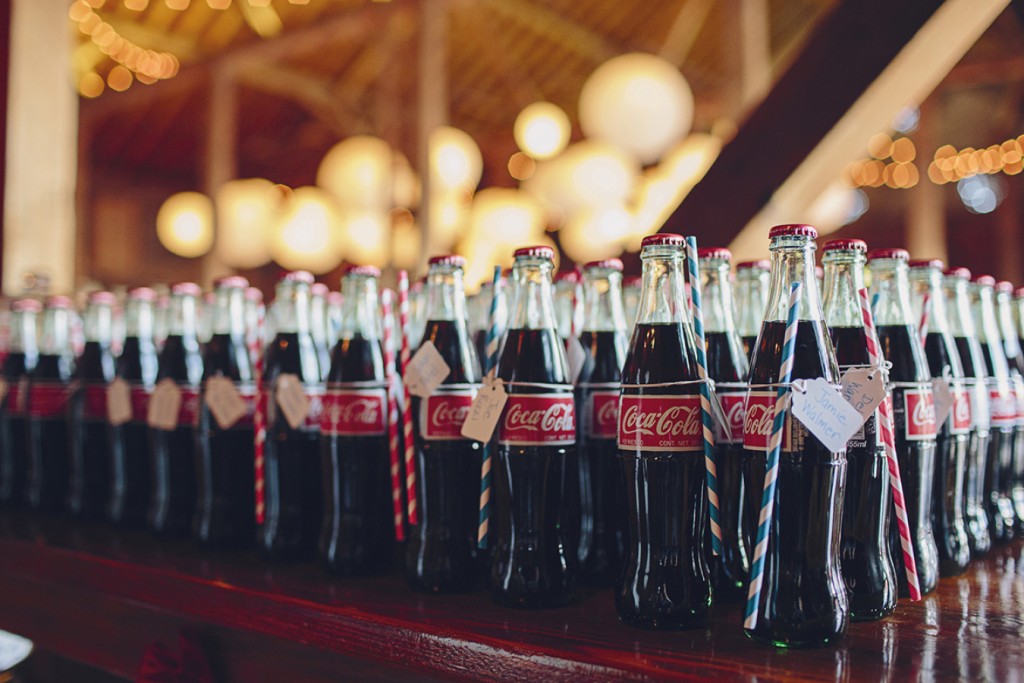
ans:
(795, 643)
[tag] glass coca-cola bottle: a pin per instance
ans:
(255, 324)
(752, 281)
(913, 411)
(728, 369)
(225, 503)
(868, 568)
(318, 324)
(631, 299)
(357, 535)
(533, 564)
(89, 486)
(172, 452)
(442, 555)
(602, 501)
(665, 582)
(803, 601)
(22, 356)
(48, 457)
(972, 361)
(131, 478)
(568, 303)
(1015, 362)
(953, 439)
(1003, 412)
(479, 307)
(289, 523)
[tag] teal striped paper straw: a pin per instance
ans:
(490, 362)
(771, 474)
(697, 314)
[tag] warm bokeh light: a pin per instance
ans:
(308, 234)
(407, 189)
(449, 212)
(179, 4)
(879, 145)
(184, 224)
(521, 166)
(358, 171)
(903, 151)
(455, 160)
(119, 78)
(638, 102)
(542, 130)
(367, 236)
(595, 234)
(588, 174)
(499, 221)
(91, 85)
(246, 210)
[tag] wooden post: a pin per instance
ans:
(433, 100)
(926, 208)
(221, 154)
(1009, 243)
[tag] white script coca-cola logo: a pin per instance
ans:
(353, 412)
(734, 406)
(442, 414)
(760, 416)
(961, 413)
(538, 420)
(919, 417)
(660, 423)
(604, 416)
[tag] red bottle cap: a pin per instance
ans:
(846, 245)
(819, 272)
(535, 252)
(898, 254)
(760, 264)
(142, 294)
(335, 298)
(186, 289)
(928, 263)
(453, 260)
(960, 272)
(793, 229)
(714, 252)
(253, 294)
(23, 305)
(102, 298)
(1019, 293)
(663, 239)
(302, 276)
(319, 289)
(366, 271)
(567, 276)
(1004, 286)
(985, 280)
(231, 282)
(610, 263)
(59, 301)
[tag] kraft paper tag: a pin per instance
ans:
(426, 370)
(486, 410)
(119, 402)
(823, 410)
(225, 403)
(164, 405)
(943, 399)
(4, 387)
(864, 389)
(576, 357)
(292, 400)
(719, 413)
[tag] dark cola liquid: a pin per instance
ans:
(532, 563)
(225, 500)
(602, 503)
(803, 599)
(13, 432)
(130, 477)
(868, 569)
(1017, 371)
(357, 536)
(948, 525)
(730, 569)
(998, 485)
(442, 555)
(293, 479)
(480, 344)
(749, 344)
(977, 458)
(48, 457)
(173, 452)
(665, 582)
(916, 460)
(89, 487)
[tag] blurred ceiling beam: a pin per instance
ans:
(989, 72)
(312, 93)
(432, 103)
(554, 26)
(865, 60)
(220, 161)
(685, 30)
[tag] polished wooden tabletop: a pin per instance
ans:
(101, 597)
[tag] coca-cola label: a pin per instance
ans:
(734, 407)
(16, 397)
(140, 402)
(442, 414)
(919, 414)
(1018, 394)
(960, 419)
(602, 414)
(247, 392)
(188, 411)
(758, 421)
(353, 412)
(95, 402)
(538, 420)
(47, 399)
(660, 423)
(1002, 406)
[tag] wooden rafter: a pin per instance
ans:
(553, 26)
(312, 93)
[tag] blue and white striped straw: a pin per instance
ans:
(705, 395)
(771, 474)
(490, 362)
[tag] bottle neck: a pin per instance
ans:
(1019, 317)
(138, 319)
(890, 285)
(229, 312)
(661, 294)
(533, 308)
(291, 308)
(445, 294)
(926, 282)
(56, 340)
(318, 318)
(98, 324)
(359, 312)
(961, 320)
(181, 316)
(752, 286)
(716, 295)
(568, 307)
(480, 307)
(23, 332)
(602, 296)
(792, 261)
(844, 278)
(984, 313)
(1007, 329)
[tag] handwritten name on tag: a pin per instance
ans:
(864, 389)
(576, 358)
(225, 403)
(486, 410)
(426, 371)
(119, 402)
(292, 400)
(826, 414)
(164, 405)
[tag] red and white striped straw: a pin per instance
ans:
(922, 327)
(410, 450)
(389, 373)
(885, 430)
(259, 417)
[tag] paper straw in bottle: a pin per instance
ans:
(393, 443)
(410, 448)
(490, 364)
